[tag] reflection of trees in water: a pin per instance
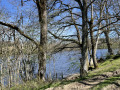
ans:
(16, 59)
(15, 70)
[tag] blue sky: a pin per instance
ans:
(9, 7)
(12, 9)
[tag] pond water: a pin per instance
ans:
(67, 62)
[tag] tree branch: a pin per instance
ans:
(80, 4)
(63, 39)
(108, 25)
(20, 31)
(90, 3)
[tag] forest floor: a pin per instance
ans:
(106, 77)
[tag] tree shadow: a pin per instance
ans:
(107, 82)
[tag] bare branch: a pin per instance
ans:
(80, 4)
(18, 30)
(106, 25)
(63, 39)
(90, 3)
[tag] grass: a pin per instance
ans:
(107, 66)
(34, 85)
(107, 82)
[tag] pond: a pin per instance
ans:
(67, 62)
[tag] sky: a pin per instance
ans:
(7, 6)
(12, 8)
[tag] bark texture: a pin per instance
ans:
(42, 49)
(106, 32)
(108, 43)
(84, 61)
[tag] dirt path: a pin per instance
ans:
(89, 83)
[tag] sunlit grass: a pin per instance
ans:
(107, 66)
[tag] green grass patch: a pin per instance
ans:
(39, 85)
(107, 82)
(59, 83)
(30, 85)
(107, 66)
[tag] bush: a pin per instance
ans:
(116, 56)
(110, 56)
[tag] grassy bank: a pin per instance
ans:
(110, 81)
(108, 65)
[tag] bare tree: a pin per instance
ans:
(42, 45)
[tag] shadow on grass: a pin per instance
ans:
(107, 82)
(46, 86)
(58, 83)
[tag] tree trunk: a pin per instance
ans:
(92, 39)
(42, 64)
(42, 48)
(106, 32)
(84, 62)
(99, 26)
(93, 50)
(108, 43)
(1, 78)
